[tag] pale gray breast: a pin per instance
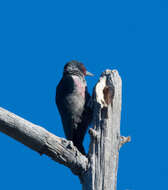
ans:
(77, 98)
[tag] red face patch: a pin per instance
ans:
(83, 69)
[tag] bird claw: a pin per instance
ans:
(70, 145)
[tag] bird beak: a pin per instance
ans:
(89, 74)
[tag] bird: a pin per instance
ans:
(72, 100)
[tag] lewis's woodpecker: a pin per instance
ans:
(72, 100)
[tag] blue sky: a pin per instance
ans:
(38, 37)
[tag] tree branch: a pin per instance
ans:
(98, 171)
(43, 142)
(124, 140)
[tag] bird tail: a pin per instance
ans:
(80, 147)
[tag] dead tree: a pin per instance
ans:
(97, 170)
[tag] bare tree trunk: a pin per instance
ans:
(105, 135)
(97, 171)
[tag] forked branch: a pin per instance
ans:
(98, 171)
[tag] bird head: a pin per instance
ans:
(76, 68)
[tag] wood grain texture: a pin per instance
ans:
(42, 141)
(97, 171)
(105, 135)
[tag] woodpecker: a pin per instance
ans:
(72, 99)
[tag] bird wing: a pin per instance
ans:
(64, 88)
(70, 104)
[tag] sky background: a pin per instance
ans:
(38, 37)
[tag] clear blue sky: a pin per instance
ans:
(38, 37)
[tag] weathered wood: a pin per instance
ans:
(42, 141)
(97, 171)
(105, 135)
